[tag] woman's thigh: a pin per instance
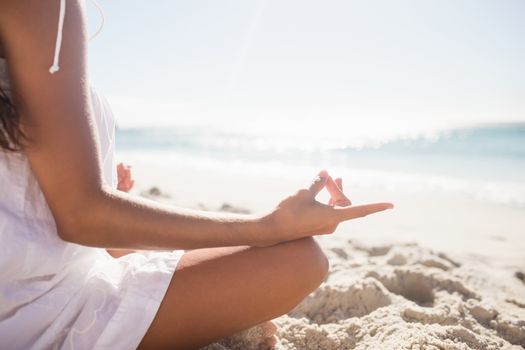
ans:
(217, 292)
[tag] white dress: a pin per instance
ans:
(59, 295)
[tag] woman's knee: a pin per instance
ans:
(307, 261)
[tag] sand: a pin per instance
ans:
(439, 272)
(402, 296)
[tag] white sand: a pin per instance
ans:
(438, 272)
(403, 296)
(406, 297)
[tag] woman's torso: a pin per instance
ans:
(33, 259)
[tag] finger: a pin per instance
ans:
(338, 197)
(120, 169)
(360, 211)
(318, 183)
(331, 201)
(339, 183)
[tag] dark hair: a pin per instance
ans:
(11, 136)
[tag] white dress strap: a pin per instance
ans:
(55, 67)
(58, 44)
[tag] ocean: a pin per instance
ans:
(485, 161)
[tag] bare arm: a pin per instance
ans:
(63, 152)
(62, 149)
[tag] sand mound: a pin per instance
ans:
(402, 297)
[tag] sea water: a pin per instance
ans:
(486, 161)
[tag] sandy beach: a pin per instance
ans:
(250, 107)
(441, 271)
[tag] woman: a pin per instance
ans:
(59, 206)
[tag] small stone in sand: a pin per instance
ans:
(154, 192)
(232, 209)
(520, 275)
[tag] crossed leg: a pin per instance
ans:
(217, 292)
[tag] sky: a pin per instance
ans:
(374, 64)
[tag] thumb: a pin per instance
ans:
(318, 183)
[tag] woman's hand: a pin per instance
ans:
(125, 182)
(301, 215)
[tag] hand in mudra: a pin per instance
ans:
(125, 181)
(301, 215)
